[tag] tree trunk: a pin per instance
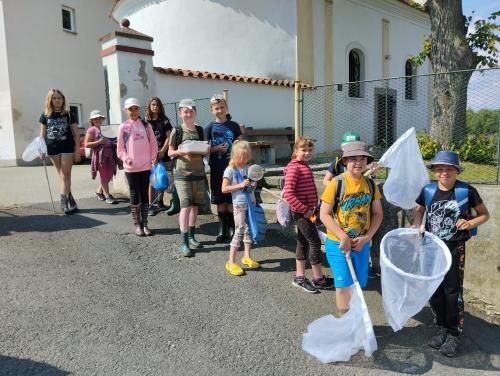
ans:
(450, 52)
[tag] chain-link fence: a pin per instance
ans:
(203, 112)
(458, 110)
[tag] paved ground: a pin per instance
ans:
(81, 295)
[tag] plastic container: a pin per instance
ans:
(412, 269)
(195, 147)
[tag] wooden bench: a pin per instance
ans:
(253, 136)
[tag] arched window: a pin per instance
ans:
(356, 73)
(410, 81)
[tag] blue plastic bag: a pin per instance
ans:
(159, 177)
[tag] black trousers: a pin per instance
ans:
(447, 303)
(138, 183)
(308, 241)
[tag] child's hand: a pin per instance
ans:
(128, 161)
(154, 161)
(345, 245)
(308, 214)
(462, 224)
(245, 183)
(359, 242)
(222, 148)
(76, 156)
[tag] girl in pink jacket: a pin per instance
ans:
(137, 148)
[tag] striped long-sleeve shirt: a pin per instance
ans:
(300, 191)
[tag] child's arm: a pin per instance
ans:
(325, 214)
(228, 188)
(482, 216)
(173, 150)
(289, 195)
(153, 144)
(419, 216)
(92, 144)
(120, 147)
(328, 177)
(76, 136)
(375, 221)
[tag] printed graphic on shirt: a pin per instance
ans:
(442, 217)
(354, 214)
(57, 128)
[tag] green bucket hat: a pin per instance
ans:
(349, 137)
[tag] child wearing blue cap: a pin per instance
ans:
(447, 206)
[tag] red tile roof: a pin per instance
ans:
(224, 76)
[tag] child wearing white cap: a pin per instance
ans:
(137, 148)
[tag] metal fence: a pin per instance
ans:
(458, 110)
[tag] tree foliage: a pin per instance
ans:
(484, 121)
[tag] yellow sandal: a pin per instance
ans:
(252, 264)
(234, 269)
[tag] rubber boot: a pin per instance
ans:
(184, 248)
(72, 203)
(135, 210)
(175, 205)
(144, 220)
(65, 205)
(230, 225)
(222, 236)
(193, 243)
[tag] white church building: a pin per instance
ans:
(255, 49)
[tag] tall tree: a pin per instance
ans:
(451, 48)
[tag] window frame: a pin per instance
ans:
(79, 122)
(72, 18)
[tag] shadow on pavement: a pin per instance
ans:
(14, 366)
(16, 221)
(407, 351)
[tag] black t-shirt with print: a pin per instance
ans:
(444, 213)
(160, 129)
(220, 133)
(58, 129)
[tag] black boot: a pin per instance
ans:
(72, 203)
(230, 225)
(222, 236)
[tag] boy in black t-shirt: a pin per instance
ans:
(447, 206)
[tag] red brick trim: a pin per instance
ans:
(134, 50)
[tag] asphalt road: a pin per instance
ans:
(81, 295)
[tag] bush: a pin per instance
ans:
(481, 148)
(428, 146)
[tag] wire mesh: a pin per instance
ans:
(203, 112)
(458, 111)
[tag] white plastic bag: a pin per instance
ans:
(408, 174)
(35, 149)
(412, 269)
(332, 339)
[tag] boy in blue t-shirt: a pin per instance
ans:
(446, 220)
(221, 133)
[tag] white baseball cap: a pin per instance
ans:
(96, 114)
(187, 103)
(130, 102)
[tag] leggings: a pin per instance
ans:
(138, 183)
(308, 241)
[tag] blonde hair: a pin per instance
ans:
(301, 143)
(49, 109)
(240, 149)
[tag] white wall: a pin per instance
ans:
(43, 56)
(7, 147)
(258, 106)
(250, 38)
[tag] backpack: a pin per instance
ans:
(126, 133)
(340, 190)
(461, 195)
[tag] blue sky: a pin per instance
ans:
(483, 8)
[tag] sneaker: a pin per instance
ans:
(450, 346)
(439, 338)
(372, 274)
(305, 284)
(111, 200)
(252, 264)
(100, 196)
(234, 269)
(153, 210)
(324, 283)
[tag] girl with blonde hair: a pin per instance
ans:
(235, 181)
(60, 132)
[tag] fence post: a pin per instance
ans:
(498, 151)
(225, 94)
(385, 113)
(297, 110)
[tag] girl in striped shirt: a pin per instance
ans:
(300, 193)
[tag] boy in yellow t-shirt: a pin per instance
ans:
(358, 215)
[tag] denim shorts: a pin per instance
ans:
(338, 264)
